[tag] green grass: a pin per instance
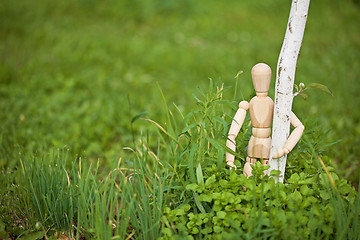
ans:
(79, 77)
(184, 189)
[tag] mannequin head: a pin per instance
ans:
(261, 76)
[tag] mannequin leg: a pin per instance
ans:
(247, 167)
(265, 162)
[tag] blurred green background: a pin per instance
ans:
(74, 73)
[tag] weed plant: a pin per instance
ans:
(209, 201)
(219, 203)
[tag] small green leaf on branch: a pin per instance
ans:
(321, 87)
(304, 96)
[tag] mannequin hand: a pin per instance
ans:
(231, 165)
(280, 153)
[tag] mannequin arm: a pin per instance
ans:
(293, 138)
(234, 131)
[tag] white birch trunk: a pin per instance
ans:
(285, 76)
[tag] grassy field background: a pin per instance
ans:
(74, 73)
(77, 76)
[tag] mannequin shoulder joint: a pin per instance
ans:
(244, 105)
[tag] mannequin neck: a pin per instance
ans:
(261, 94)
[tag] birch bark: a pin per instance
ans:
(285, 76)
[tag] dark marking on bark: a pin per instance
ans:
(290, 28)
(287, 117)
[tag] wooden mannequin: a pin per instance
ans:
(261, 109)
